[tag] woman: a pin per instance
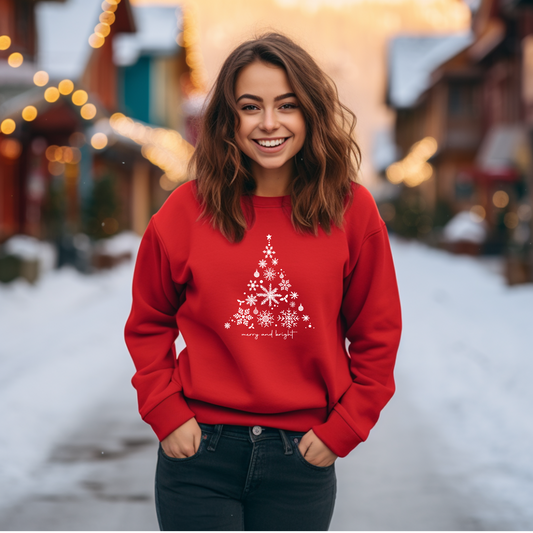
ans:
(267, 262)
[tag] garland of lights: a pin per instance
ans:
(164, 148)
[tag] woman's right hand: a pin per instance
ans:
(184, 441)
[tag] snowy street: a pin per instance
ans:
(452, 450)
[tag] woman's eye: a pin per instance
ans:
(289, 106)
(249, 107)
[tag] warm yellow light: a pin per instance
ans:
(5, 42)
(511, 220)
(51, 94)
(99, 141)
(102, 29)
(108, 6)
(8, 126)
(395, 173)
(477, 213)
(51, 152)
(115, 118)
(10, 148)
(500, 199)
(15, 60)
(80, 97)
(65, 87)
(88, 111)
(29, 113)
(96, 41)
(108, 17)
(56, 168)
(41, 78)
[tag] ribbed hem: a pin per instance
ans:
(336, 434)
(169, 415)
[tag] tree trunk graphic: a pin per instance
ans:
(270, 300)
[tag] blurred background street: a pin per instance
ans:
(99, 104)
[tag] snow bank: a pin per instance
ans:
(466, 357)
(30, 248)
(466, 226)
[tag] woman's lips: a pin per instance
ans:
(270, 149)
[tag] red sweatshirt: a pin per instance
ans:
(265, 321)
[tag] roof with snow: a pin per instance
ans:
(62, 33)
(412, 59)
(157, 28)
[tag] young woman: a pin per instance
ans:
(267, 261)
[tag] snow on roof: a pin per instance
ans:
(412, 59)
(465, 226)
(62, 33)
(157, 28)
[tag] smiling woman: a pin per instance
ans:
(293, 261)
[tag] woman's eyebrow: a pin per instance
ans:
(259, 99)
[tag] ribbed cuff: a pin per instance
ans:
(169, 415)
(336, 434)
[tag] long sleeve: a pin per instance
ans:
(371, 318)
(150, 333)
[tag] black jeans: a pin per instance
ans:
(244, 478)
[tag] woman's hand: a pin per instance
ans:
(184, 441)
(315, 451)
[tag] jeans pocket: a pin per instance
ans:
(183, 459)
(303, 460)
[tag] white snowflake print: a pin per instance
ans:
(262, 263)
(293, 304)
(268, 251)
(251, 300)
(270, 295)
(265, 319)
(274, 261)
(269, 274)
(252, 285)
(243, 317)
(305, 318)
(269, 237)
(294, 295)
(288, 318)
(227, 325)
(285, 285)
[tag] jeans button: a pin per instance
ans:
(257, 430)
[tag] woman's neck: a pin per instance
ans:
(272, 182)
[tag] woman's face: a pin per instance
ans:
(272, 128)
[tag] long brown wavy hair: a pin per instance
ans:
(324, 168)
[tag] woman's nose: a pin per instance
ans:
(269, 122)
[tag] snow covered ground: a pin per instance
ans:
(465, 362)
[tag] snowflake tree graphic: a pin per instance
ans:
(267, 291)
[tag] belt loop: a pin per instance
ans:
(213, 441)
(286, 443)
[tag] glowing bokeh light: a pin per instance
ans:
(65, 87)
(500, 199)
(107, 17)
(29, 113)
(477, 213)
(10, 148)
(80, 97)
(5, 42)
(15, 60)
(511, 220)
(96, 41)
(41, 78)
(88, 111)
(99, 141)
(51, 94)
(102, 29)
(8, 126)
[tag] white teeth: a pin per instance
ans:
(277, 142)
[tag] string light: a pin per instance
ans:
(8, 126)
(106, 6)
(15, 60)
(414, 169)
(500, 199)
(63, 154)
(163, 147)
(65, 87)
(103, 29)
(96, 41)
(190, 37)
(5, 42)
(88, 111)
(107, 17)
(41, 78)
(99, 141)
(79, 97)
(51, 94)
(10, 148)
(29, 113)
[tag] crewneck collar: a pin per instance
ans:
(270, 201)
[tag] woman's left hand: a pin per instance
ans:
(315, 451)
